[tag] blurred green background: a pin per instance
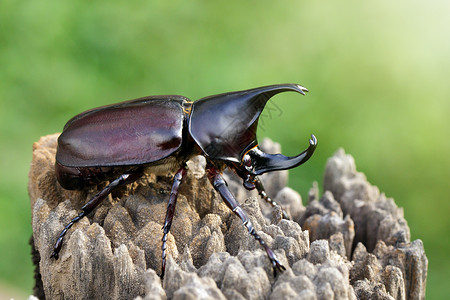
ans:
(378, 74)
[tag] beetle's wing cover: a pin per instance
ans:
(134, 132)
(224, 125)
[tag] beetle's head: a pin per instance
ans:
(224, 126)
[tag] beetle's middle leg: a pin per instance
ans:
(260, 188)
(220, 185)
(92, 204)
(170, 213)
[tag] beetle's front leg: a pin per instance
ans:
(170, 212)
(220, 185)
(252, 181)
(92, 204)
(259, 186)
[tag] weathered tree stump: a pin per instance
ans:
(355, 242)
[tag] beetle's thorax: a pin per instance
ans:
(224, 126)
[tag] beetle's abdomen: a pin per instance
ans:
(131, 133)
(72, 178)
(78, 178)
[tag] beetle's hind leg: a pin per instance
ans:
(220, 185)
(260, 188)
(169, 214)
(92, 204)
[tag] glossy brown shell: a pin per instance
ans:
(134, 132)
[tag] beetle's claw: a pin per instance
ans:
(277, 267)
(54, 255)
(313, 140)
(285, 214)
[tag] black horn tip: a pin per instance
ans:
(302, 90)
(313, 140)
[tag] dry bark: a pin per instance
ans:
(357, 243)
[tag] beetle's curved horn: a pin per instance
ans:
(224, 125)
(263, 162)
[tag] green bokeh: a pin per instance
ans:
(378, 74)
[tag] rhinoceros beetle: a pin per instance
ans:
(120, 142)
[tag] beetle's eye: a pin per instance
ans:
(247, 161)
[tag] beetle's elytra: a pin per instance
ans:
(119, 142)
